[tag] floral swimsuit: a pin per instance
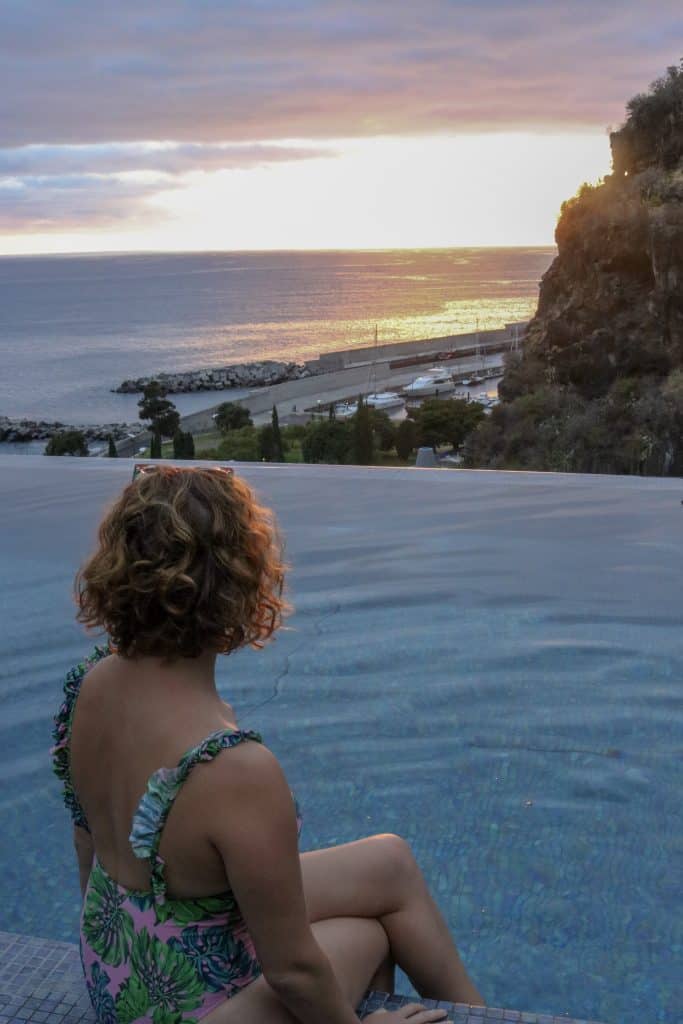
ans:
(145, 956)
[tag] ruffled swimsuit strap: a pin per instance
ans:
(61, 733)
(162, 789)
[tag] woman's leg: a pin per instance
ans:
(354, 946)
(384, 978)
(379, 877)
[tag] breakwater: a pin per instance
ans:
(239, 375)
(42, 430)
(268, 372)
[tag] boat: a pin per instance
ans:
(435, 381)
(385, 400)
(343, 410)
(375, 399)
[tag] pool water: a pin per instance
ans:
(488, 664)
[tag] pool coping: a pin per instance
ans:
(41, 982)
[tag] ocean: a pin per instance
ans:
(74, 326)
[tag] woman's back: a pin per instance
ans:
(162, 935)
(130, 720)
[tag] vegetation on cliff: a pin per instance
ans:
(599, 385)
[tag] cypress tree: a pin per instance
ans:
(265, 443)
(278, 449)
(178, 445)
(189, 446)
(112, 453)
(155, 446)
(362, 435)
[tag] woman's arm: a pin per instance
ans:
(85, 851)
(256, 835)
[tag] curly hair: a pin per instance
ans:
(187, 560)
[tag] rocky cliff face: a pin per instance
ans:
(599, 385)
(611, 304)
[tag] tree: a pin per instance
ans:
(154, 406)
(189, 446)
(447, 422)
(406, 438)
(327, 441)
(363, 441)
(111, 449)
(383, 429)
(155, 446)
(232, 416)
(67, 442)
(278, 447)
(265, 443)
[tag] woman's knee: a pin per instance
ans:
(399, 858)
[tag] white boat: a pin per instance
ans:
(375, 399)
(385, 400)
(435, 381)
(343, 410)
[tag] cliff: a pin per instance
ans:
(611, 304)
(599, 386)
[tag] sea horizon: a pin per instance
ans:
(218, 252)
(74, 326)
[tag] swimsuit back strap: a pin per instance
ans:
(162, 789)
(61, 733)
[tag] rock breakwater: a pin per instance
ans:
(222, 378)
(43, 430)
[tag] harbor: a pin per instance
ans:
(476, 357)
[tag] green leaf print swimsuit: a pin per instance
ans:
(147, 957)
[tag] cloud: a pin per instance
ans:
(91, 91)
(57, 203)
(164, 158)
(317, 69)
(53, 188)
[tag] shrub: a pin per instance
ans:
(240, 445)
(327, 441)
(67, 442)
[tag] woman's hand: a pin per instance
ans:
(414, 1013)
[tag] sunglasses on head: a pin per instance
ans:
(141, 468)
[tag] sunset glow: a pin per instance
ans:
(376, 193)
(310, 125)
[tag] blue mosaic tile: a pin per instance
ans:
(48, 989)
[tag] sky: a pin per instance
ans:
(311, 124)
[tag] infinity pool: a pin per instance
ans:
(487, 663)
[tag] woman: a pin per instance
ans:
(197, 904)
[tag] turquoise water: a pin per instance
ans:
(488, 664)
